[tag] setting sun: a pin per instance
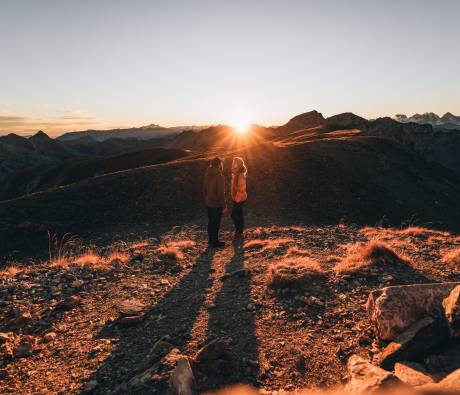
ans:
(240, 123)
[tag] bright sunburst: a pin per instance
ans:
(240, 123)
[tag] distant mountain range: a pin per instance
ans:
(141, 133)
(447, 121)
(40, 162)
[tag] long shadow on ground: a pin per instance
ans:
(233, 319)
(174, 315)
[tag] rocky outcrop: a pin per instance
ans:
(451, 306)
(420, 338)
(393, 309)
(412, 374)
(449, 385)
(435, 145)
(366, 378)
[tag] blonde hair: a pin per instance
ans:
(242, 166)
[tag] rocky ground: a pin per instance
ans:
(91, 327)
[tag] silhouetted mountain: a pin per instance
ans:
(346, 120)
(18, 152)
(303, 121)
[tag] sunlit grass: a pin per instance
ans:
(362, 257)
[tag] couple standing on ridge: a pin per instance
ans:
(216, 204)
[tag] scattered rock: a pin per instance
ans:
(366, 378)
(412, 374)
(130, 307)
(450, 385)
(182, 380)
(420, 338)
(393, 309)
(68, 303)
(24, 350)
(452, 310)
(77, 283)
(50, 336)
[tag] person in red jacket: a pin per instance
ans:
(238, 193)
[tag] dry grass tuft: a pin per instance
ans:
(10, 271)
(171, 252)
(117, 256)
(90, 258)
(140, 244)
(452, 258)
(412, 231)
(363, 257)
(182, 244)
(294, 273)
(296, 251)
(267, 244)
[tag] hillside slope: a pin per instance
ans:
(71, 171)
(320, 180)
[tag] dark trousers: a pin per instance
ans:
(214, 217)
(238, 216)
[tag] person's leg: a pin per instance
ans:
(218, 220)
(241, 224)
(211, 225)
(237, 216)
(234, 215)
(215, 215)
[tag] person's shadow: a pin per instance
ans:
(173, 316)
(233, 319)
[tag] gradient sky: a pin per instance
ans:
(67, 65)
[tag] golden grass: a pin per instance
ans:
(296, 251)
(182, 244)
(117, 256)
(92, 259)
(10, 271)
(452, 257)
(170, 252)
(363, 257)
(412, 231)
(267, 244)
(297, 272)
(140, 244)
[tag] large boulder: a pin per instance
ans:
(366, 378)
(449, 386)
(412, 373)
(393, 309)
(452, 310)
(416, 341)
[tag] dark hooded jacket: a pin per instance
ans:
(214, 188)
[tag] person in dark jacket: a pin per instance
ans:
(214, 190)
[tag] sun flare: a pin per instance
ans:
(241, 124)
